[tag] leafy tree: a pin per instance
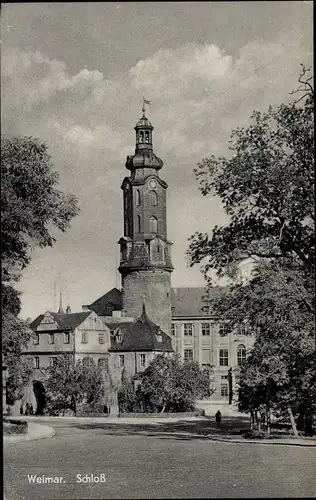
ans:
(70, 385)
(267, 189)
(31, 205)
(167, 384)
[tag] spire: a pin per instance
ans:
(143, 318)
(60, 310)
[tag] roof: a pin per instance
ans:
(64, 321)
(111, 301)
(189, 302)
(141, 335)
(186, 302)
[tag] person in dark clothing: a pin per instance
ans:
(31, 410)
(21, 410)
(218, 418)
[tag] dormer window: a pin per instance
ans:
(159, 337)
(119, 338)
(206, 309)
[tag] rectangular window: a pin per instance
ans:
(84, 338)
(242, 329)
(101, 338)
(36, 339)
(223, 357)
(66, 338)
(121, 360)
(142, 360)
(223, 329)
(206, 329)
(51, 339)
(53, 361)
(173, 329)
(188, 329)
(224, 390)
(36, 362)
(188, 355)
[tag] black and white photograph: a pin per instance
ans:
(158, 250)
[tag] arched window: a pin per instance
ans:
(87, 362)
(137, 197)
(241, 354)
(153, 198)
(153, 225)
(139, 224)
(147, 136)
(141, 136)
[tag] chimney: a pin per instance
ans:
(60, 310)
(68, 310)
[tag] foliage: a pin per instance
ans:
(70, 385)
(267, 189)
(167, 384)
(31, 204)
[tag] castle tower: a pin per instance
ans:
(145, 262)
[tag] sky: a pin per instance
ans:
(73, 75)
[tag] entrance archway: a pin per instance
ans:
(40, 396)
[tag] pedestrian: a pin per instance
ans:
(31, 410)
(218, 418)
(21, 410)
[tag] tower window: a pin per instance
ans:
(153, 198)
(137, 198)
(153, 225)
(147, 136)
(139, 224)
(141, 136)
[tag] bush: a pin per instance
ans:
(14, 426)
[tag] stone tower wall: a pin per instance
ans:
(152, 287)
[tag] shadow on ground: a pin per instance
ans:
(184, 429)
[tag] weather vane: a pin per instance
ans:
(144, 101)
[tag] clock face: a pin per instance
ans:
(152, 184)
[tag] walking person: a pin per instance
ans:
(218, 418)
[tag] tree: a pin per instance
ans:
(70, 385)
(267, 189)
(31, 205)
(167, 384)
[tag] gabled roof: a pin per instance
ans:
(185, 301)
(64, 321)
(141, 335)
(111, 301)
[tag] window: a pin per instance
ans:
(53, 361)
(139, 224)
(224, 377)
(121, 360)
(206, 365)
(36, 339)
(87, 362)
(36, 362)
(137, 198)
(153, 225)
(173, 329)
(66, 338)
(224, 390)
(103, 363)
(51, 339)
(242, 329)
(119, 338)
(223, 329)
(206, 329)
(188, 355)
(142, 360)
(188, 329)
(223, 357)
(173, 310)
(101, 338)
(153, 198)
(84, 338)
(206, 309)
(159, 337)
(241, 354)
